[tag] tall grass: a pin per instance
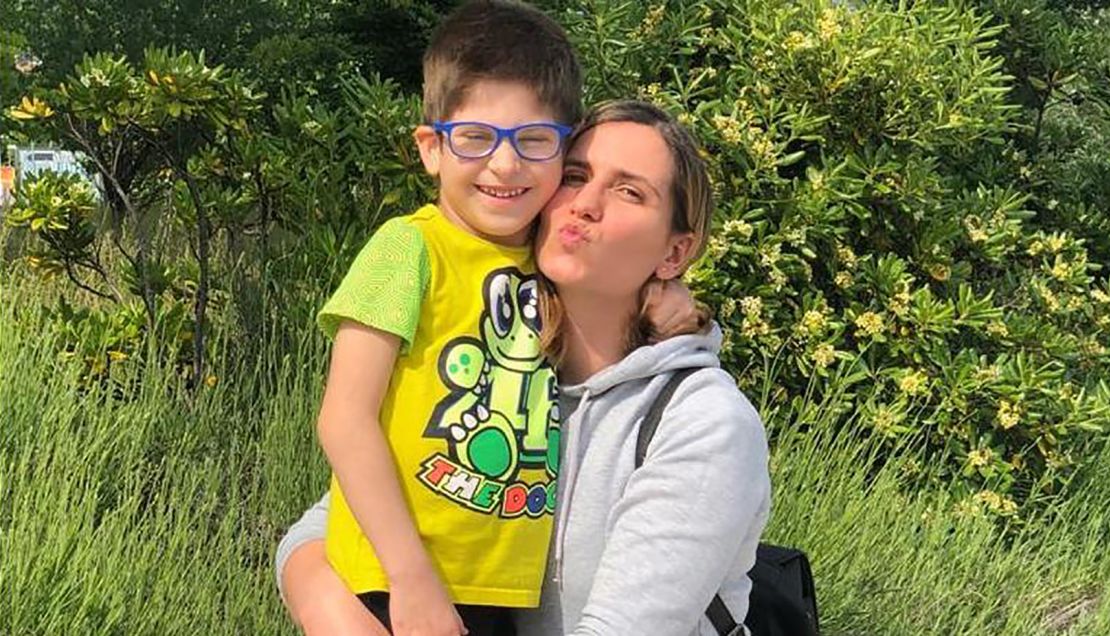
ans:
(889, 560)
(156, 512)
(152, 513)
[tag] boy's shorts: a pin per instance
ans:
(480, 620)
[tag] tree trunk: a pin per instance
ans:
(200, 305)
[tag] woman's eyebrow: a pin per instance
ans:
(571, 162)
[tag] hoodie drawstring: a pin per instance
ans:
(568, 475)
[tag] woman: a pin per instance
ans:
(635, 551)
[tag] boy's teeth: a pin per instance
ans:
(503, 194)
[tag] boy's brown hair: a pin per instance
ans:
(506, 41)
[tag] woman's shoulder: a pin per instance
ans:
(710, 421)
(712, 390)
(709, 404)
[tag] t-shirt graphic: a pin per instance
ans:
(501, 414)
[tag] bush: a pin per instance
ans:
(875, 224)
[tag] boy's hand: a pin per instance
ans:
(672, 311)
(422, 607)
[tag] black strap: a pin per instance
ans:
(655, 414)
(717, 612)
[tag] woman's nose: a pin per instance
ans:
(587, 203)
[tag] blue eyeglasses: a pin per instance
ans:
(532, 142)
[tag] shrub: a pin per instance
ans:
(874, 223)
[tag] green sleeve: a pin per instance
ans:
(385, 286)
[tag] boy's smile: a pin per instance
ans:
(495, 197)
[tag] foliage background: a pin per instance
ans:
(908, 262)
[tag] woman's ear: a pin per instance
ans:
(427, 142)
(679, 248)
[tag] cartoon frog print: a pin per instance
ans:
(502, 413)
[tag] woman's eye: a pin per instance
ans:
(630, 193)
(573, 178)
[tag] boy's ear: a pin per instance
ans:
(427, 142)
(679, 248)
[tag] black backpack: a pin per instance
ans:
(783, 601)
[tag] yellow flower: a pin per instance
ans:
(797, 41)
(998, 328)
(751, 306)
(211, 381)
(31, 108)
(913, 383)
(980, 457)
(1055, 243)
(828, 26)
(1060, 270)
(117, 356)
(1009, 414)
(988, 374)
(996, 503)
(1035, 248)
(1100, 296)
(813, 322)
(729, 128)
(900, 303)
(761, 147)
(652, 19)
(843, 279)
(770, 254)
(870, 324)
(752, 327)
(824, 355)
(1048, 296)
(716, 247)
(847, 256)
(1092, 348)
(728, 308)
(886, 418)
(739, 227)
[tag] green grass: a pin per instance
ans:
(159, 513)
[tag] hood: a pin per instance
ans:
(679, 352)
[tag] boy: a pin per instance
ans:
(438, 418)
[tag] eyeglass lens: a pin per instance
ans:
(531, 142)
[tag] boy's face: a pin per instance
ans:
(498, 196)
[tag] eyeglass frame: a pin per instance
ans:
(445, 127)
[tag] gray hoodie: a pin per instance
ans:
(644, 551)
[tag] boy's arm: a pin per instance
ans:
(361, 365)
(670, 310)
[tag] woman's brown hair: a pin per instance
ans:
(692, 211)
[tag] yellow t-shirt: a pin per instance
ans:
(468, 413)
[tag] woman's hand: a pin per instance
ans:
(420, 606)
(671, 310)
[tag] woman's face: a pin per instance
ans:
(607, 229)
